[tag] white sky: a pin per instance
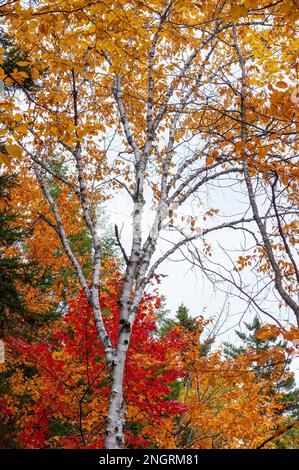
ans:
(186, 284)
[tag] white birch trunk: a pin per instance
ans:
(115, 420)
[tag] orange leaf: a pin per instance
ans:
(282, 84)
(239, 146)
(267, 332)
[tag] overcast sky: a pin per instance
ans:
(185, 284)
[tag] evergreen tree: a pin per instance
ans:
(17, 272)
(13, 270)
(164, 321)
(14, 59)
(182, 318)
(249, 341)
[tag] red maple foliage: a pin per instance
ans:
(63, 383)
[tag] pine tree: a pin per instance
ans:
(13, 270)
(12, 58)
(15, 317)
(17, 272)
(184, 319)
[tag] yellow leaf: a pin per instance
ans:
(18, 117)
(24, 74)
(9, 81)
(23, 63)
(34, 74)
(22, 129)
(14, 150)
(4, 160)
(237, 12)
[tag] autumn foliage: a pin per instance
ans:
(58, 386)
(61, 383)
(187, 112)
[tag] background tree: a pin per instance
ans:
(17, 272)
(18, 276)
(61, 382)
(285, 385)
(251, 342)
(228, 404)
